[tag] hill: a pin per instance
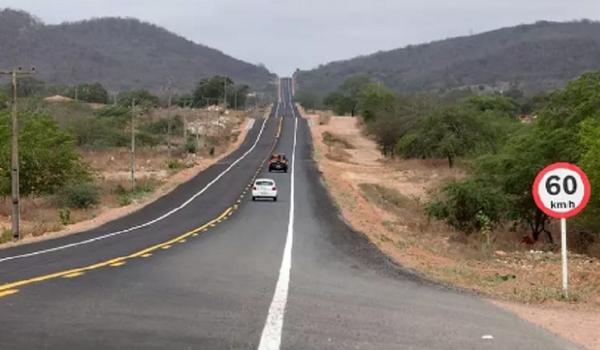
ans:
(540, 56)
(119, 53)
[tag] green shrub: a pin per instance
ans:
(65, 216)
(126, 197)
(190, 146)
(175, 164)
(5, 235)
(463, 205)
(48, 157)
(79, 195)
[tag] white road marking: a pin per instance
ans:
(487, 337)
(137, 227)
(271, 334)
(250, 124)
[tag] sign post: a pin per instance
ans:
(562, 190)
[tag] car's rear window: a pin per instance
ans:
(264, 183)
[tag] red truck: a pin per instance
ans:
(278, 162)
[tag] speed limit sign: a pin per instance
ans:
(562, 190)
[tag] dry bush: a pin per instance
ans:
(338, 155)
(324, 117)
(331, 139)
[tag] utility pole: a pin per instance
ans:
(197, 139)
(225, 93)
(236, 94)
(14, 160)
(169, 117)
(189, 106)
(132, 145)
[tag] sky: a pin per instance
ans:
(289, 34)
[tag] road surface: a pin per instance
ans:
(207, 268)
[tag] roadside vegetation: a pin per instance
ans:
(500, 140)
(75, 146)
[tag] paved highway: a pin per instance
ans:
(207, 268)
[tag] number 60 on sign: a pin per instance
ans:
(561, 190)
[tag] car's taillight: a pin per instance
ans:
(254, 188)
(274, 188)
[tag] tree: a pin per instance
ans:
(589, 139)
(27, 86)
(373, 98)
(493, 103)
(93, 93)
(186, 100)
(48, 158)
(141, 97)
(462, 203)
(236, 95)
(346, 99)
(4, 100)
(210, 91)
(449, 133)
(578, 101)
(308, 100)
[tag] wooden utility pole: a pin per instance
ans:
(169, 115)
(225, 93)
(197, 139)
(14, 160)
(132, 155)
(169, 121)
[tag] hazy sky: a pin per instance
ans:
(289, 34)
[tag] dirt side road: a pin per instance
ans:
(386, 204)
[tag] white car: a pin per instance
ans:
(264, 188)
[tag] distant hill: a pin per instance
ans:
(119, 53)
(540, 56)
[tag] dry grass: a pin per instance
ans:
(384, 200)
(334, 140)
(111, 169)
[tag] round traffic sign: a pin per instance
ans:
(561, 190)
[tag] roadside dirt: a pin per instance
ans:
(386, 203)
(151, 171)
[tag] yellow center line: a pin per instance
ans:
(73, 275)
(8, 287)
(8, 292)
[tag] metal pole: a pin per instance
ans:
(132, 145)
(16, 212)
(563, 243)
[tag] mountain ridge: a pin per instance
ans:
(120, 53)
(536, 56)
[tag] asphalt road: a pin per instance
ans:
(207, 268)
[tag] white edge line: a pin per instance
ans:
(271, 335)
(137, 227)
